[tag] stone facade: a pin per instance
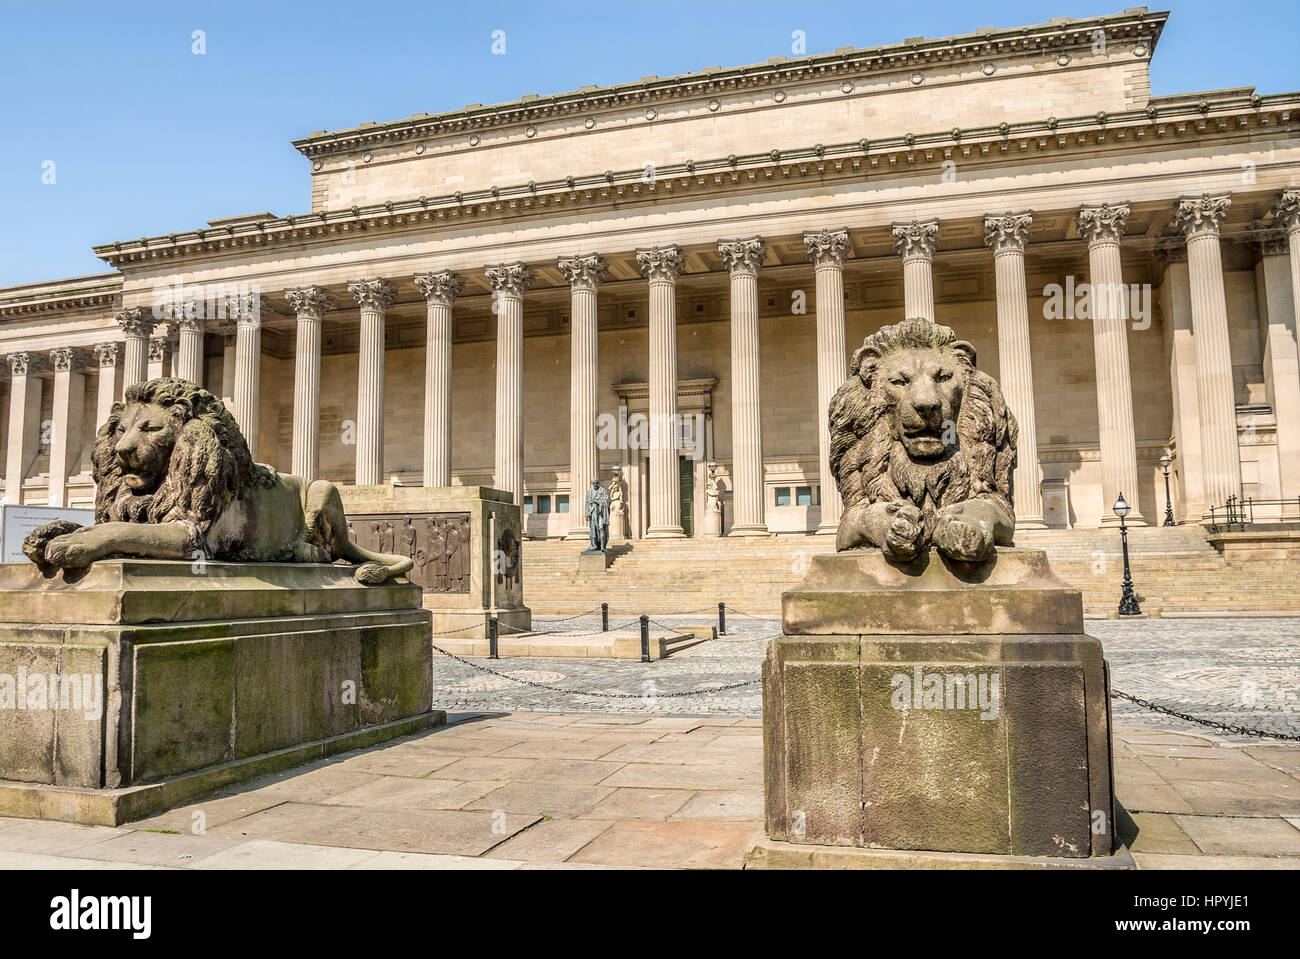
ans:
(416, 324)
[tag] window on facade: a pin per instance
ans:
(543, 504)
(528, 505)
(561, 503)
(803, 496)
(783, 496)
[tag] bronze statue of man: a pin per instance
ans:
(596, 508)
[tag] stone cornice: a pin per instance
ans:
(1055, 38)
(79, 293)
(1175, 119)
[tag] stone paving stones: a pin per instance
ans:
(691, 845)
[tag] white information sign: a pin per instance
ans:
(17, 521)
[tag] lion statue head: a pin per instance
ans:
(916, 423)
(170, 451)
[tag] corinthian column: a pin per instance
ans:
(65, 438)
(743, 258)
(440, 291)
(827, 251)
(1281, 362)
(1103, 228)
(509, 283)
(106, 356)
(584, 274)
(137, 326)
(661, 266)
(24, 423)
(374, 297)
(915, 243)
(309, 304)
(189, 356)
(159, 350)
(1199, 218)
(1007, 234)
(248, 372)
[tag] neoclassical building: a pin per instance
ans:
(672, 272)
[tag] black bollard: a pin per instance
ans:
(722, 619)
(604, 617)
(492, 638)
(645, 638)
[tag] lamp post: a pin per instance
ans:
(1128, 604)
(1169, 504)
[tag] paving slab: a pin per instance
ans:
(672, 845)
(1241, 835)
(156, 849)
(552, 840)
(633, 803)
(557, 800)
(273, 854)
(1160, 833)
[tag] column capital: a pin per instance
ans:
(441, 287)
(1007, 232)
(661, 262)
(135, 322)
(1201, 216)
(64, 358)
(509, 279)
(158, 349)
(106, 354)
(373, 293)
(1286, 210)
(827, 247)
(1104, 223)
(23, 362)
(743, 256)
(583, 272)
(917, 239)
(309, 302)
(191, 321)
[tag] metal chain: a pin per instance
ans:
(579, 692)
(1212, 723)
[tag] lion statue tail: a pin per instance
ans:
(375, 568)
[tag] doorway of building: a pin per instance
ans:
(686, 483)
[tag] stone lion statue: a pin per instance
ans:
(922, 448)
(174, 480)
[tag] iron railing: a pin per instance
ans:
(1237, 513)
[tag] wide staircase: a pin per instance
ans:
(1176, 572)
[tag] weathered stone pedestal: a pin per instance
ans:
(465, 543)
(938, 715)
(594, 561)
(140, 684)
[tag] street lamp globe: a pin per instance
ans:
(1122, 508)
(1165, 460)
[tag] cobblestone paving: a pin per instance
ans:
(1240, 671)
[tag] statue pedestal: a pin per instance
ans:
(594, 561)
(465, 543)
(937, 708)
(148, 683)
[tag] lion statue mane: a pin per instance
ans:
(174, 480)
(923, 448)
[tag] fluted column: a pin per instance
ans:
(743, 258)
(248, 375)
(374, 297)
(584, 274)
(65, 435)
(827, 250)
(661, 266)
(1006, 234)
(440, 291)
(24, 423)
(1199, 218)
(1103, 228)
(106, 354)
(1176, 307)
(189, 355)
(509, 283)
(915, 243)
(309, 304)
(137, 325)
(1281, 357)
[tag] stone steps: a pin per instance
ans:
(1175, 571)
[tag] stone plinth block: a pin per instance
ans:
(594, 561)
(139, 672)
(938, 707)
(467, 546)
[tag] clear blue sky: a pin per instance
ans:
(148, 138)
